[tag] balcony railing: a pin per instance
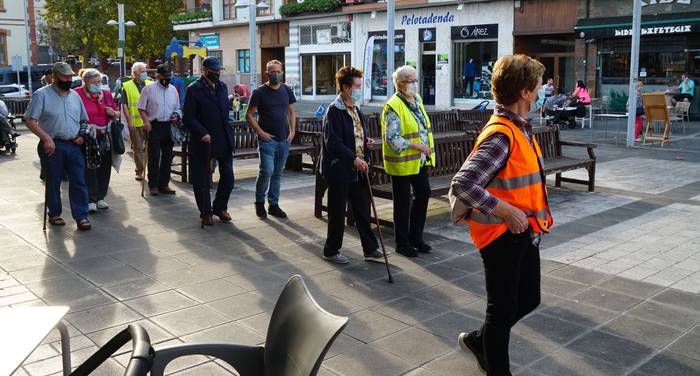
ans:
(190, 17)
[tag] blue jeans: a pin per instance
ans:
(273, 157)
(69, 157)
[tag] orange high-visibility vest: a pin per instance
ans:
(520, 183)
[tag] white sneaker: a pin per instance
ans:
(92, 207)
(337, 259)
(102, 204)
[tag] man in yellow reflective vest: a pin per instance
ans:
(408, 149)
(131, 93)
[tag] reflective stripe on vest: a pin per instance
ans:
(132, 101)
(407, 162)
(520, 183)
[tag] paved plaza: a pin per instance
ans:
(620, 273)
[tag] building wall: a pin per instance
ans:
(545, 17)
(12, 23)
(617, 8)
(231, 39)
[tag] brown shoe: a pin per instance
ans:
(153, 191)
(57, 221)
(139, 176)
(224, 216)
(166, 191)
(207, 220)
(84, 225)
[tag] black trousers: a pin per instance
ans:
(469, 85)
(97, 180)
(512, 266)
(160, 154)
(409, 216)
(357, 194)
(201, 178)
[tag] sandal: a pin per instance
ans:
(57, 221)
(84, 225)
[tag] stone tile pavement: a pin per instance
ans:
(147, 261)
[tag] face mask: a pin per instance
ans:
(274, 78)
(356, 95)
(95, 89)
(213, 77)
(412, 89)
(143, 76)
(164, 81)
(63, 85)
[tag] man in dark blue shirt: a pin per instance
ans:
(275, 125)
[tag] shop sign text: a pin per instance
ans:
(475, 32)
(656, 30)
(412, 19)
(656, 2)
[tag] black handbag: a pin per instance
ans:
(115, 134)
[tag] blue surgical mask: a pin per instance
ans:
(274, 78)
(356, 95)
(95, 89)
(143, 76)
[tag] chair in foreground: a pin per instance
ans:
(655, 110)
(298, 336)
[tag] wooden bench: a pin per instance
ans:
(16, 107)
(555, 162)
(246, 147)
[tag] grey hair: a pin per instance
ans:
(89, 74)
(402, 72)
(138, 65)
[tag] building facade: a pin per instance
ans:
(13, 34)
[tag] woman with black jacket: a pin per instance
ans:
(343, 165)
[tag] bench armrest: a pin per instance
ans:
(588, 146)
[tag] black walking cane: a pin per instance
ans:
(46, 189)
(208, 170)
(145, 165)
(379, 231)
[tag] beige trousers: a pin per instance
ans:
(137, 145)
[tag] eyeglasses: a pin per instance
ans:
(410, 81)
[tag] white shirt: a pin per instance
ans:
(159, 102)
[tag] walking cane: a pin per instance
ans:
(379, 231)
(46, 190)
(145, 166)
(208, 170)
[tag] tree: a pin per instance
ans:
(83, 29)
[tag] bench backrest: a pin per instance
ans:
(548, 139)
(244, 135)
(475, 115)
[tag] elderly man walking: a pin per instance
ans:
(205, 115)
(55, 114)
(131, 94)
(407, 148)
(159, 107)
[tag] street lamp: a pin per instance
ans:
(122, 37)
(252, 28)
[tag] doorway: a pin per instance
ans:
(559, 67)
(427, 72)
(267, 54)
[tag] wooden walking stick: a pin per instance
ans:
(379, 231)
(46, 190)
(208, 170)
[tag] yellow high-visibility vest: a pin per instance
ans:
(132, 101)
(408, 162)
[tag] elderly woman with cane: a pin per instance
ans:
(101, 109)
(503, 185)
(343, 165)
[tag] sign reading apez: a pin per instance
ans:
(475, 32)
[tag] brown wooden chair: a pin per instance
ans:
(655, 110)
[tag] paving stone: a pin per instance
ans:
(566, 362)
(548, 329)
(670, 364)
(162, 302)
(409, 310)
(368, 326)
(666, 315)
(342, 344)
(524, 350)
(450, 324)
(688, 345)
(242, 305)
(189, 320)
(227, 333)
(94, 319)
(455, 363)
(629, 287)
(368, 360)
(209, 368)
(579, 313)
(679, 299)
(561, 287)
(415, 346)
(607, 299)
(155, 333)
(616, 350)
(211, 290)
(135, 288)
(579, 275)
(641, 331)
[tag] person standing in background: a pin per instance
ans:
(131, 94)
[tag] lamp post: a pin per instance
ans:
(122, 37)
(634, 70)
(390, 48)
(252, 29)
(29, 50)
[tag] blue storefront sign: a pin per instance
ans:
(210, 40)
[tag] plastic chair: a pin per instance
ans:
(298, 336)
(681, 113)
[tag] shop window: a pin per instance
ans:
(325, 34)
(229, 9)
(380, 77)
(2, 5)
(243, 61)
(3, 48)
(318, 72)
(473, 64)
(217, 54)
(265, 12)
(307, 76)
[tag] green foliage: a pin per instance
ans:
(189, 17)
(309, 6)
(618, 100)
(81, 26)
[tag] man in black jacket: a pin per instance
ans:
(205, 115)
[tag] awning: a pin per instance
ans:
(620, 27)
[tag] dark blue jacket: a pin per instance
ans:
(338, 149)
(206, 112)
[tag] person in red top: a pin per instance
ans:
(101, 109)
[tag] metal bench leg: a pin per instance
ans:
(557, 180)
(65, 347)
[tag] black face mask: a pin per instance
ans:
(63, 85)
(164, 81)
(213, 77)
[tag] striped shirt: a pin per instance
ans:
(484, 163)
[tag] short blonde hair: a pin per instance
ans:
(512, 74)
(401, 73)
(274, 62)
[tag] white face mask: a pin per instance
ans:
(412, 89)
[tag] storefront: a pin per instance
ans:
(452, 47)
(317, 49)
(669, 48)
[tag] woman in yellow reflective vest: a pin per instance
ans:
(408, 150)
(504, 184)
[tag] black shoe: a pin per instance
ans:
(469, 343)
(260, 210)
(275, 211)
(422, 247)
(407, 251)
